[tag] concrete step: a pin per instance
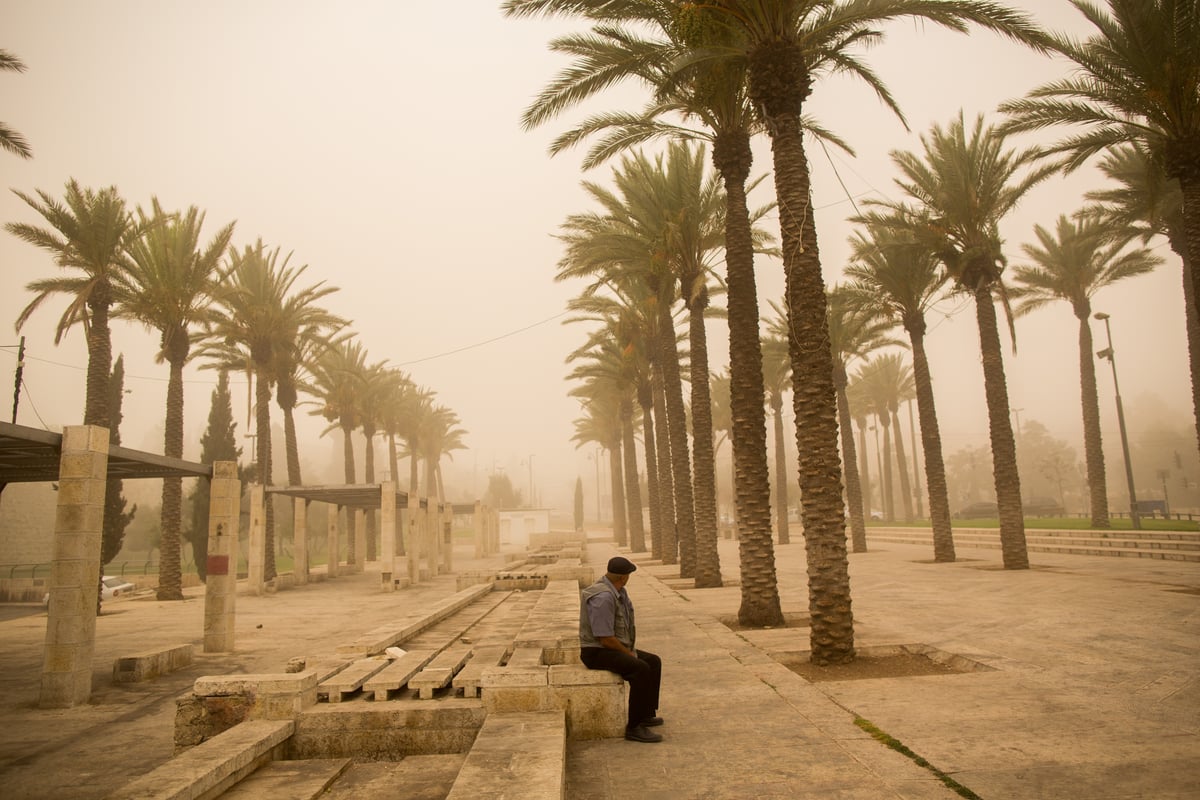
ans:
(296, 780)
(1093, 543)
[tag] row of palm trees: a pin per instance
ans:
(725, 70)
(242, 310)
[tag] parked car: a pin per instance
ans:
(110, 587)
(979, 510)
(1042, 507)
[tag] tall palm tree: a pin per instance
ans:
(903, 279)
(442, 436)
(337, 382)
(257, 313)
(601, 423)
(713, 105)
(963, 186)
(167, 287)
(320, 331)
(10, 140)
(877, 385)
(1072, 263)
(89, 234)
(777, 381)
(1144, 200)
(785, 47)
(1134, 81)
(854, 331)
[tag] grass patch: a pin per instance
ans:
(900, 748)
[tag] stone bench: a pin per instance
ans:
(516, 755)
(411, 624)
(439, 672)
(209, 769)
(151, 664)
(471, 674)
(594, 701)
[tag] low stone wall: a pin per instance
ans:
(389, 731)
(594, 700)
(151, 664)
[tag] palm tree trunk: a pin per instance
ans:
(1004, 450)
(781, 479)
(394, 466)
(824, 517)
(293, 449)
(1193, 328)
(369, 477)
(170, 572)
(858, 528)
(348, 472)
(668, 551)
(889, 496)
(681, 466)
(652, 488)
(864, 462)
(931, 444)
(633, 491)
(707, 562)
(617, 491)
(1189, 187)
(99, 343)
(262, 442)
(912, 437)
(902, 467)
(760, 604)
(1092, 443)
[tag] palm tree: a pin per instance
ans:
(1072, 263)
(904, 280)
(785, 47)
(854, 331)
(712, 97)
(89, 234)
(10, 140)
(777, 380)
(1145, 201)
(379, 383)
(338, 379)
(257, 314)
(963, 187)
(1134, 81)
(442, 436)
(167, 287)
(322, 330)
(601, 423)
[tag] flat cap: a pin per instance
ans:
(618, 565)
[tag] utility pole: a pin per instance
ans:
(17, 379)
(1112, 361)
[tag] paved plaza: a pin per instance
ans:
(1078, 678)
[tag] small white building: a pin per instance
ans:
(517, 525)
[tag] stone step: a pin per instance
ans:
(426, 776)
(520, 754)
(351, 679)
(1041, 544)
(296, 780)
(397, 674)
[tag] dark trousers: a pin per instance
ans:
(643, 673)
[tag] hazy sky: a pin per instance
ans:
(380, 143)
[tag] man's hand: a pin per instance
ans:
(613, 643)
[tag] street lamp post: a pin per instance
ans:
(1108, 354)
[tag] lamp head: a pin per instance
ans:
(1100, 315)
(1105, 353)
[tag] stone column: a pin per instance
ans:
(220, 585)
(477, 526)
(300, 540)
(411, 539)
(335, 511)
(257, 556)
(387, 535)
(430, 537)
(448, 537)
(360, 538)
(75, 571)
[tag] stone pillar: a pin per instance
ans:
(300, 540)
(387, 535)
(220, 585)
(412, 540)
(448, 537)
(75, 571)
(477, 526)
(360, 538)
(257, 555)
(494, 517)
(334, 515)
(431, 537)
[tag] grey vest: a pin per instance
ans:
(623, 627)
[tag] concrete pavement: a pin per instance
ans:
(1084, 683)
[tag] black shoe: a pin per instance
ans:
(652, 722)
(641, 734)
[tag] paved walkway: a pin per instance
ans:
(1087, 683)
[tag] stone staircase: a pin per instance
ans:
(1167, 545)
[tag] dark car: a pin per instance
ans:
(1042, 507)
(979, 510)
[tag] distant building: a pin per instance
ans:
(517, 525)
